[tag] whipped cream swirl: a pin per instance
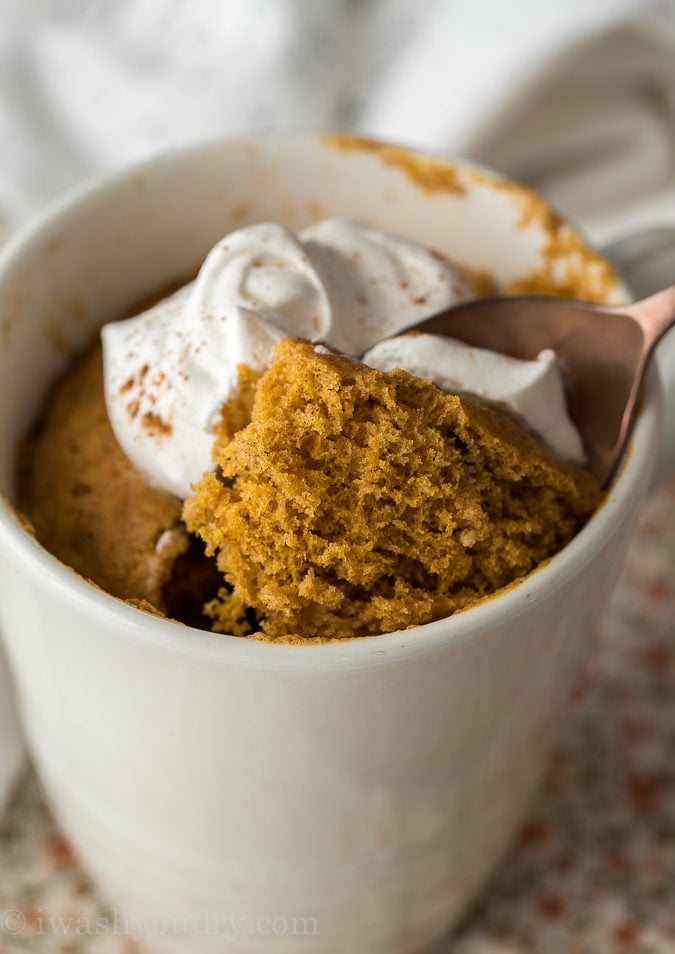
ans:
(169, 371)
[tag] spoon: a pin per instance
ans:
(603, 353)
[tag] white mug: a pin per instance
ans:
(12, 753)
(232, 794)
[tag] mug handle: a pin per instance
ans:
(646, 262)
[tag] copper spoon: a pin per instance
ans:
(603, 354)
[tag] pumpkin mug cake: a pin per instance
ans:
(372, 783)
(262, 453)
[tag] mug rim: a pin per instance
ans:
(358, 652)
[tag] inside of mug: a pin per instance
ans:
(101, 251)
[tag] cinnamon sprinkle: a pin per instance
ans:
(156, 425)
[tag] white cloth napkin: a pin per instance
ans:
(576, 98)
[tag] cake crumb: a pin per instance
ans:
(358, 502)
(88, 504)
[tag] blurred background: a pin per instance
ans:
(575, 98)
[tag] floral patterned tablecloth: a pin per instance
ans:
(594, 869)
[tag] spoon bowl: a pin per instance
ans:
(603, 353)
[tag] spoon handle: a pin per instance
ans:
(655, 315)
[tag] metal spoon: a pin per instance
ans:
(603, 354)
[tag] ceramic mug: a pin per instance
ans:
(232, 794)
(11, 742)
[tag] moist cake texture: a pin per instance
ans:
(339, 500)
(359, 502)
(86, 501)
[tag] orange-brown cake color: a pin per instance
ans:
(359, 502)
(86, 501)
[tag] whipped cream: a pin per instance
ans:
(533, 389)
(170, 371)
